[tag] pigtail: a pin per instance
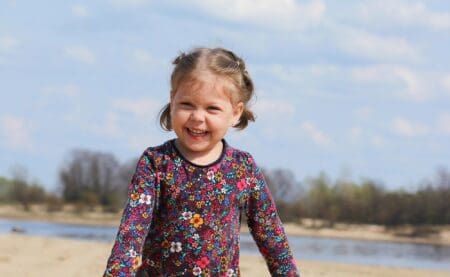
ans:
(164, 118)
(246, 116)
(248, 83)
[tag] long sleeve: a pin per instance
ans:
(126, 253)
(266, 228)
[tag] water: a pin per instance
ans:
(305, 248)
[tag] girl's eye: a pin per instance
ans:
(214, 108)
(186, 104)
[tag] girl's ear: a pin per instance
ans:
(238, 109)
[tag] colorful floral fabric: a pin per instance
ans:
(184, 220)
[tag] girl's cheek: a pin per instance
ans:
(181, 113)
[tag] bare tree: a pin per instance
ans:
(23, 191)
(19, 190)
(123, 176)
(88, 177)
(282, 184)
(284, 189)
(443, 178)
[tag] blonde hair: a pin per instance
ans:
(221, 62)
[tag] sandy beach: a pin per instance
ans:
(24, 255)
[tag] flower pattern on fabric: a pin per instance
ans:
(145, 198)
(184, 220)
(175, 247)
(196, 220)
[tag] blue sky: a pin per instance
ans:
(360, 89)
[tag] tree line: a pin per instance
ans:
(364, 202)
(89, 179)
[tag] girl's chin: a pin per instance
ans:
(198, 145)
(193, 144)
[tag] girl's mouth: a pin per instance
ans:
(196, 132)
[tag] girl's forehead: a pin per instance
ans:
(207, 85)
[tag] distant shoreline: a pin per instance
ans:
(439, 236)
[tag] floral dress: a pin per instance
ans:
(182, 219)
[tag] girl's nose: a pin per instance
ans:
(197, 115)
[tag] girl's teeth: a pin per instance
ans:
(196, 132)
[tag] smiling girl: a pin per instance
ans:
(187, 195)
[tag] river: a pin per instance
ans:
(305, 248)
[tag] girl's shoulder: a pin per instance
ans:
(162, 151)
(240, 155)
(244, 161)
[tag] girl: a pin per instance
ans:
(186, 197)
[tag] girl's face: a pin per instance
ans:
(201, 113)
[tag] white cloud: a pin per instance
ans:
(16, 132)
(111, 126)
(363, 44)
(359, 135)
(404, 13)
(301, 74)
(69, 90)
(81, 54)
(378, 141)
(143, 57)
(287, 74)
(445, 82)
(363, 113)
(130, 116)
(145, 62)
(443, 124)
(274, 108)
(323, 69)
(129, 3)
(144, 140)
(355, 133)
(8, 43)
(318, 136)
(144, 108)
(125, 116)
(404, 127)
(79, 11)
(270, 112)
(412, 87)
(65, 99)
(284, 14)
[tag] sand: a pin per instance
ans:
(23, 255)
